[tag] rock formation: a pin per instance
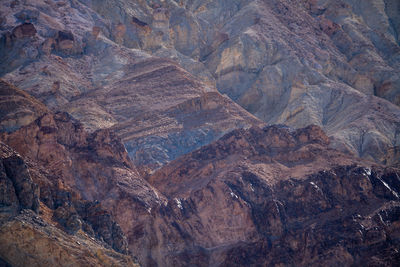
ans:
(34, 231)
(17, 108)
(245, 194)
(293, 63)
(199, 133)
(273, 196)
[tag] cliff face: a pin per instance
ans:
(147, 99)
(277, 197)
(143, 131)
(256, 193)
(41, 221)
(290, 62)
(54, 190)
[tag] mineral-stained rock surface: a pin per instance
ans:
(32, 230)
(160, 110)
(28, 240)
(199, 133)
(265, 197)
(257, 196)
(17, 108)
(252, 197)
(95, 167)
(121, 63)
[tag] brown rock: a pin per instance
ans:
(303, 210)
(51, 246)
(8, 199)
(95, 166)
(25, 190)
(96, 31)
(24, 30)
(19, 193)
(257, 196)
(119, 33)
(17, 108)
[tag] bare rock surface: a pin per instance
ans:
(89, 184)
(290, 62)
(113, 63)
(49, 246)
(34, 231)
(146, 145)
(148, 100)
(250, 198)
(274, 196)
(17, 108)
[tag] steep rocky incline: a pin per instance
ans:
(17, 108)
(75, 68)
(87, 183)
(290, 62)
(41, 221)
(272, 196)
(115, 63)
(252, 197)
(82, 182)
(132, 136)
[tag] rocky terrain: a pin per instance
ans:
(252, 193)
(199, 133)
(290, 62)
(276, 197)
(43, 223)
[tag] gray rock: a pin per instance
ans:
(294, 63)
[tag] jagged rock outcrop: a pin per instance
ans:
(136, 151)
(25, 190)
(275, 196)
(93, 164)
(34, 232)
(248, 194)
(296, 63)
(49, 245)
(90, 181)
(287, 62)
(47, 179)
(148, 100)
(17, 188)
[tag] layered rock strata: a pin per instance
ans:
(296, 63)
(254, 193)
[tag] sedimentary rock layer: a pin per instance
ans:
(111, 63)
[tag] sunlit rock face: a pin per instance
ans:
(17, 108)
(287, 62)
(253, 193)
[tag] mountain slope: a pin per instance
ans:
(41, 221)
(290, 62)
(13, 118)
(274, 196)
(143, 130)
(253, 193)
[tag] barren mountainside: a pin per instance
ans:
(199, 133)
